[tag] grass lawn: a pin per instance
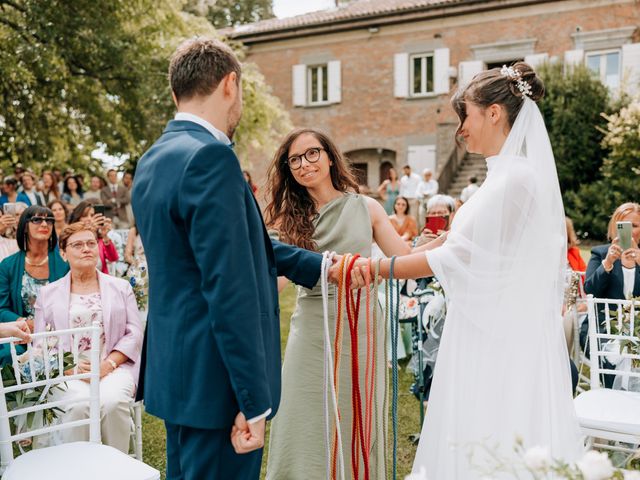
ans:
(408, 410)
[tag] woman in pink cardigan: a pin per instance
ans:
(84, 212)
(78, 299)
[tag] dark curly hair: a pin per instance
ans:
(291, 209)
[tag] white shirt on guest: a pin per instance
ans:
(468, 191)
(629, 280)
(409, 185)
(427, 189)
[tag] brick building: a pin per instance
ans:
(377, 75)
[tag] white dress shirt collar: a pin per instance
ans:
(190, 117)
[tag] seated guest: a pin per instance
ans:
(72, 192)
(438, 206)
(11, 194)
(574, 258)
(29, 189)
(404, 224)
(60, 214)
(25, 272)
(85, 213)
(612, 272)
(8, 225)
(78, 299)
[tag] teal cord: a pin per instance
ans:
(394, 315)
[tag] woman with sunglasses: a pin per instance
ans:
(36, 264)
(314, 206)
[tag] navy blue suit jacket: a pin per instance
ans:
(213, 331)
(601, 284)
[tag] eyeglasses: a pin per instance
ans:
(36, 220)
(312, 155)
(79, 245)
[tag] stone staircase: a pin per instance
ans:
(472, 165)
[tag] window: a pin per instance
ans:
(422, 74)
(605, 65)
(318, 84)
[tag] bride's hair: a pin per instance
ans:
(291, 209)
(494, 87)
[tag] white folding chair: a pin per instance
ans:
(136, 409)
(70, 461)
(603, 413)
(578, 354)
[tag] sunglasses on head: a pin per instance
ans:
(37, 220)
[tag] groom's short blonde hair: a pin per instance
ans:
(198, 66)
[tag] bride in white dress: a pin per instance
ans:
(503, 368)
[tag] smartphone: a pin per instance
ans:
(436, 223)
(99, 209)
(10, 208)
(624, 235)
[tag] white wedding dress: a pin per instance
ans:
(503, 369)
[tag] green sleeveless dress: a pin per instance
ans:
(297, 443)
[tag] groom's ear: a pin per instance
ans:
(230, 85)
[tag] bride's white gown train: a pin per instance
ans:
(503, 367)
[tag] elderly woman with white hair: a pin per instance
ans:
(427, 188)
(440, 210)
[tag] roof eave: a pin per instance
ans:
(380, 19)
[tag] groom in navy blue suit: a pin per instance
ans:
(212, 346)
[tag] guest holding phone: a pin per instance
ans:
(86, 212)
(11, 194)
(25, 272)
(440, 212)
(613, 272)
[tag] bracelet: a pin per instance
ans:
(113, 364)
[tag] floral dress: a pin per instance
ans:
(84, 309)
(30, 289)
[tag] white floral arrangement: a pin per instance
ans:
(538, 463)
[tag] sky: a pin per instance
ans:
(289, 8)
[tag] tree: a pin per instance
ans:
(619, 175)
(229, 13)
(572, 108)
(84, 74)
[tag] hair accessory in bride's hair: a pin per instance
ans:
(522, 85)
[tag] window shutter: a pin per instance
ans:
(335, 82)
(401, 75)
(573, 58)
(420, 157)
(441, 70)
(631, 67)
(299, 85)
(468, 70)
(536, 59)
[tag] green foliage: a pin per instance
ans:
(229, 13)
(594, 203)
(572, 108)
(80, 75)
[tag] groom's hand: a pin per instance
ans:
(247, 437)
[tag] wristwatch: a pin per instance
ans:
(113, 364)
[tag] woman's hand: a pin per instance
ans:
(7, 221)
(19, 329)
(613, 254)
(105, 228)
(631, 257)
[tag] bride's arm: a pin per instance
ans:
(414, 265)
